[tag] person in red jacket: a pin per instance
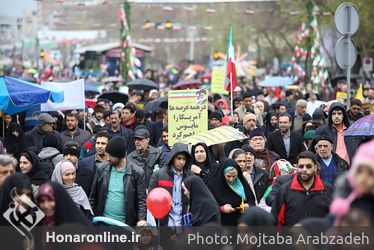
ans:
(306, 195)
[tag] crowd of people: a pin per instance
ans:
(296, 164)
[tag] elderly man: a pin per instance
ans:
(264, 157)
(145, 156)
(249, 122)
(35, 137)
(300, 115)
(332, 165)
(7, 166)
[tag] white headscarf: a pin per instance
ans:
(75, 191)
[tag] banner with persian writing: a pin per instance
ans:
(216, 136)
(187, 113)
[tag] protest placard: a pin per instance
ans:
(216, 136)
(218, 81)
(187, 113)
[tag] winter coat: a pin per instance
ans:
(50, 153)
(35, 137)
(275, 143)
(148, 164)
(293, 203)
(329, 130)
(261, 182)
(164, 177)
(81, 136)
(341, 165)
(133, 186)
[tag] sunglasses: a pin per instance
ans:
(308, 166)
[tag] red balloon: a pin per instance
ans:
(159, 202)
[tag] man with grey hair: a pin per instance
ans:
(7, 165)
(300, 115)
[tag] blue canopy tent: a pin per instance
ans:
(17, 95)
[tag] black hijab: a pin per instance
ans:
(268, 127)
(37, 175)
(66, 211)
(203, 206)
(256, 217)
(209, 165)
(17, 181)
(225, 195)
(13, 144)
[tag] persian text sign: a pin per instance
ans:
(216, 136)
(187, 113)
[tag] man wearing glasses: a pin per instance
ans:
(332, 165)
(306, 195)
(36, 136)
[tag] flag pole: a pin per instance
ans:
(231, 95)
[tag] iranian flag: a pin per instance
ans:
(230, 75)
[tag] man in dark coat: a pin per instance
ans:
(100, 157)
(306, 195)
(118, 190)
(145, 156)
(116, 129)
(337, 124)
(73, 133)
(354, 112)
(35, 137)
(286, 143)
(332, 165)
(171, 178)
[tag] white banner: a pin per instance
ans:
(73, 96)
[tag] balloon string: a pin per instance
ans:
(159, 233)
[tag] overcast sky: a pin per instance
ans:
(15, 8)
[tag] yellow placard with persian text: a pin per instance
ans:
(218, 81)
(216, 136)
(341, 95)
(187, 113)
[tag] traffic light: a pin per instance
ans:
(41, 53)
(168, 25)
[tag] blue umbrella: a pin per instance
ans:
(17, 95)
(277, 81)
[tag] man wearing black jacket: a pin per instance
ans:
(171, 178)
(286, 143)
(118, 190)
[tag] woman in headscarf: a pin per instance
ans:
(14, 140)
(58, 206)
(29, 165)
(65, 175)
(231, 192)
(15, 186)
(271, 123)
(203, 163)
(203, 206)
